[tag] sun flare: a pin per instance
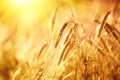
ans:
(23, 3)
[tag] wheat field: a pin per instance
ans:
(60, 40)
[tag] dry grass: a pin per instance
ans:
(92, 55)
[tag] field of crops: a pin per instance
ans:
(59, 40)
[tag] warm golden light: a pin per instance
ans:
(22, 3)
(28, 6)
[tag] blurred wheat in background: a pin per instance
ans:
(59, 40)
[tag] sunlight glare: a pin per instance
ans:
(23, 3)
